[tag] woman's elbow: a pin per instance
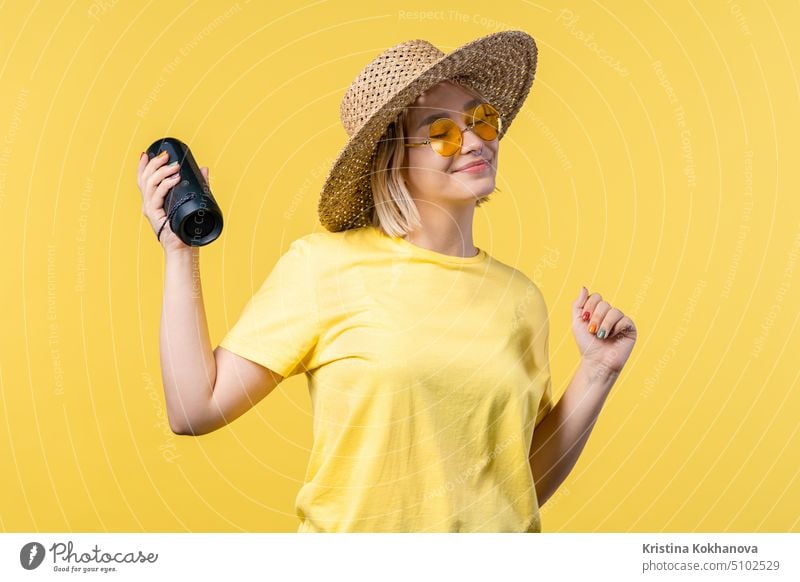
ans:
(187, 428)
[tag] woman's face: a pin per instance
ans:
(432, 177)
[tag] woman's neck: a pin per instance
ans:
(446, 232)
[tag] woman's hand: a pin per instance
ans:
(605, 336)
(155, 179)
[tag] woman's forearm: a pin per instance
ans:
(561, 436)
(188, 367)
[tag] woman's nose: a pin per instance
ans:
(470, 142)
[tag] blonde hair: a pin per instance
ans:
(394, 209)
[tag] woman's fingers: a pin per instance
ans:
(160, 174)
(626, 327)
(151, 170)
(161, 192)
(155, 181)
(141, 175)
(589, 305)
(601, 318)
(143, 159)
(150, 166)
(597, 314)
(606, 326)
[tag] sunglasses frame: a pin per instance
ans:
(470, 127)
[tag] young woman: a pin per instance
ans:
(426, 358)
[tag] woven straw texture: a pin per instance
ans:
(501, 66)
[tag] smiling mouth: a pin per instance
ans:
(479, 167)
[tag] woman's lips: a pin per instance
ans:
(476, 168)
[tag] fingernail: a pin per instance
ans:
(163, 153)
(585, 316)
(592, 327)
(175, 163)
(601, 334)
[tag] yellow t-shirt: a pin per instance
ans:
(427, 374)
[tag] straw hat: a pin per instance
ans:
(500, 66)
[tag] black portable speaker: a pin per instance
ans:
(191, 210)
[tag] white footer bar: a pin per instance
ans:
(401, 557)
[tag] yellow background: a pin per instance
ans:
(655, 162)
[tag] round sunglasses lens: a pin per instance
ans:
(487, 122)
(445, 137)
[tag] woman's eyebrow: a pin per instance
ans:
(438, 114)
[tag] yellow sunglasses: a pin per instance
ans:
(446, 138)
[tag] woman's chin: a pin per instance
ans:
(477, 187)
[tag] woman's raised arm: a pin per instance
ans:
(204, 389)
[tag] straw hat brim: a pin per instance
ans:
(501, 66)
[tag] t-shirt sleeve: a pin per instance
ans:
(541, 351)
(278, 327)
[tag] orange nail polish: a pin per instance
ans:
(592, 327)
